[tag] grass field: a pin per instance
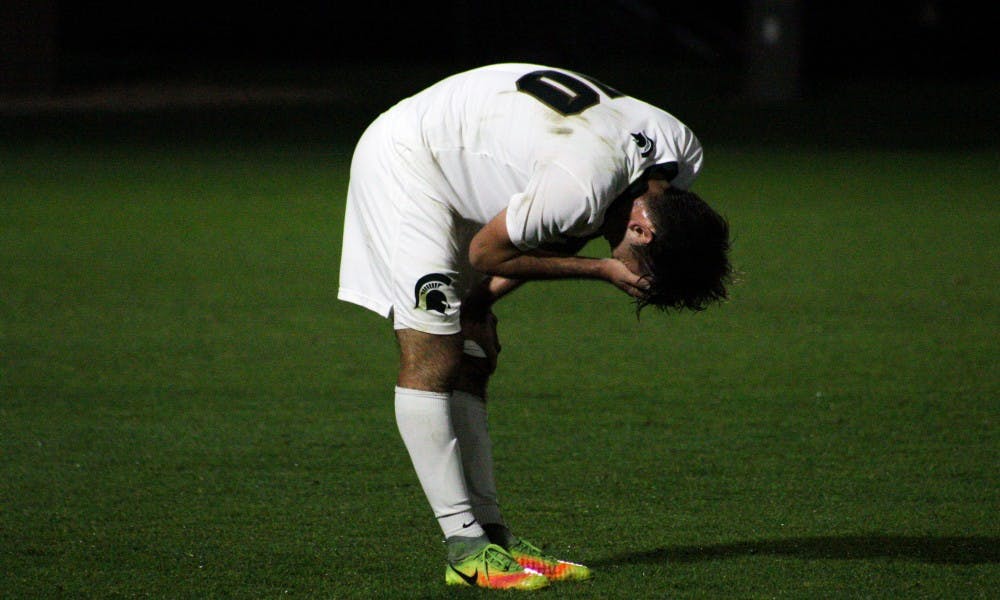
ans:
(186, 410)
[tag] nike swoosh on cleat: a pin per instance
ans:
(469, 524)
(469, 579)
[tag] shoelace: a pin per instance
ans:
(501, 560)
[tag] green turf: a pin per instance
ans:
(186, 410)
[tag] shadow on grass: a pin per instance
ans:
(940, 550)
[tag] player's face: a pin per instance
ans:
(626, 254)
(628, 223)
(638, 231)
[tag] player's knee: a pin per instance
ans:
(428, 362)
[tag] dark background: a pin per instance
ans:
(92, 41)
(882, 61)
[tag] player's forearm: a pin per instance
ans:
(492, 252)
(538, 264)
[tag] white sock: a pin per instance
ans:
(469, 418)
(425, 425)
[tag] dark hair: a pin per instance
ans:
(687, 260)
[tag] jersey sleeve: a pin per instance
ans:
(676, 151)
(690, 163)
(554, 206)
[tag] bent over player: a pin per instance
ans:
(461, 192)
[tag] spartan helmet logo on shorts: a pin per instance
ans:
(434, 292)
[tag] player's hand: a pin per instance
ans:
(619, 275)
(481, 343)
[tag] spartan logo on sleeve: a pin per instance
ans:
(434, 292)
(646, 145)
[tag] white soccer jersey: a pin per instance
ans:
(551, 146)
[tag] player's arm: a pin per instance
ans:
(492, 252)
(484, 295)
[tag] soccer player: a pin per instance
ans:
(462, 192)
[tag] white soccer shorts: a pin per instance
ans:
(404, 251)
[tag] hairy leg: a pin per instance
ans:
(428, 362)
(428, 368)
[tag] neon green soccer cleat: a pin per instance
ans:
(494, 568)
(531, 557)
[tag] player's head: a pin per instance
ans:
(687, 261)
(684, 253)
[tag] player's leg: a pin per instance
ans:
(426, 315)
(394, 249)
(387, 240)
(470, 419)
(429, 365)
(469, 413)
(386, 236)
